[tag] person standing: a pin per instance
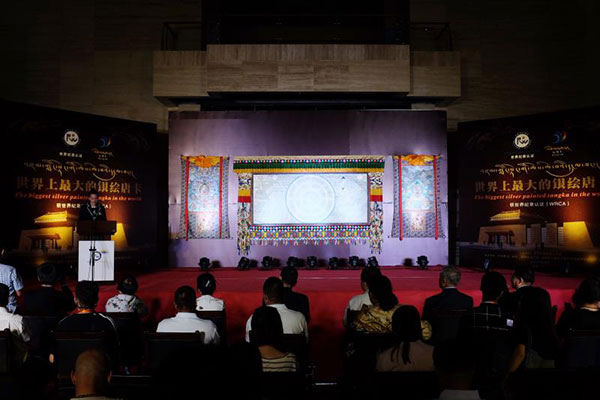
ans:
(92, 210)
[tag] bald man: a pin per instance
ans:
(91, 375)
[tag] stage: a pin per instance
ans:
(329, 292)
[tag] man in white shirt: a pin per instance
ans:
(360, 300)
(186, 319)
(207, 285)
(14, 323)
(10, 277)
(293, 321)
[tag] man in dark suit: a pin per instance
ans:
(522, 279)
(293, 300)
(47, 300)
(450, 299)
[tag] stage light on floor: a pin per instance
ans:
(334, 263)
(422, 262)
(311, 262)
(354, 262)
(243, 264)
(267, 262)
(204, 263)
(372, 262)
(292, 262)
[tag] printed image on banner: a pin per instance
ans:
(416, 197)
(204, 197)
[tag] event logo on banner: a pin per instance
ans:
(534, 198)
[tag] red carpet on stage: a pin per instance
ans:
(329, 292)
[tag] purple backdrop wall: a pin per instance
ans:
(273, 133)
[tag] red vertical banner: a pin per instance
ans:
(435, 199)
(400, 194)
(187, 179)
(220, 196)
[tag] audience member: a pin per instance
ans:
(294, 300)
(126, 301)
(455, 366)
(488, 316)
(293, 321)
(10, 278)
(450, 297)
(186, 319)
(586, 315)
(92, 375)
(267, 334)
(522, 279)
(410, 353)
(207, 285)
(86, 319)
(357, 302)
(15, 325)
(536, 344)
(377, 318)
(47, 300)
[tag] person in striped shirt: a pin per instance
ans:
(267, 335)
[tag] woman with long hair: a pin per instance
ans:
(409, 353)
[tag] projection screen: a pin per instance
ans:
(310, 199)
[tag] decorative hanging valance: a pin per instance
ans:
(296, 234)
(204, 197)
(416, 197)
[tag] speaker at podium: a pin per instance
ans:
(96, 251)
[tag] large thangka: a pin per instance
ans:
(204, 197)
(416, 197)
(309, 199)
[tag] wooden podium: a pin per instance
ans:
(96, 253)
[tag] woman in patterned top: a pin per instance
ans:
(377, 318)
(267, 334)
(126, 300)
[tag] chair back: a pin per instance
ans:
(360, 350)
(40, 330)
(219, 319)
(412, 384)
(282, 385)
(581, 349)
(5, 351)
(351, 316)
(131, 336)
(160, 345)
(68, 346)
(296, 343)
(445, 324)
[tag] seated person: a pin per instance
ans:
(293, 321)
(586, 315)
(47, 300)
(92, 375)
(521, 280)
(536, 344)
(450, 298)
(207, 285)
(10, 277)
(294, 300)
(488, 316)
(357, 302)
(15, 325)
(267, 335)
(455, 366)
(126, 301)
(86, 319)
(410, 353)
(377, 318)
(186, 319)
